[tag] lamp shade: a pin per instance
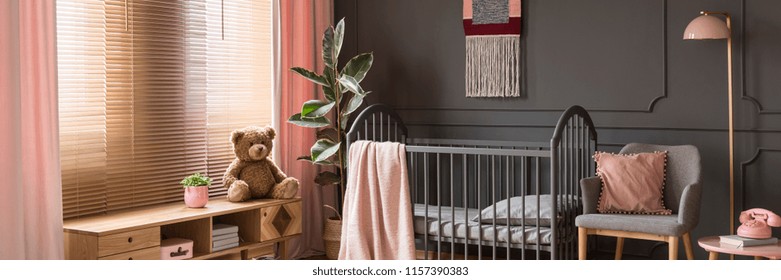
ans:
(706, 27)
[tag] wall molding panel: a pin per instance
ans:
(745, 63)
(740, 199)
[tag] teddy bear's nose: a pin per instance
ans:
(258, 151)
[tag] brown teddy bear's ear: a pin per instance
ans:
(270, 132)
(235, 135)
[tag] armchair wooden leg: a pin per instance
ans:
(673, 244)
(619, 247)
(687, 245)
(582, 246)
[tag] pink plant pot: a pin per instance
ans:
(196, 197)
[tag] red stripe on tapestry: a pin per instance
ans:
(513, 27)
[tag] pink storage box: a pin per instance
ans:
(176, 249)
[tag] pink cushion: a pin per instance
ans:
(632, 183)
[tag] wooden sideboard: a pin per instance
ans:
(136, 234)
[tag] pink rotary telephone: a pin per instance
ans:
(757, 223)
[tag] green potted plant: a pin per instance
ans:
(196, 190)
(342, 95)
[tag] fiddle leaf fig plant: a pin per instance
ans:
(342, 95)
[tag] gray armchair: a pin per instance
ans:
(682, 195)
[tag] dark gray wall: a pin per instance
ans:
(624, 60)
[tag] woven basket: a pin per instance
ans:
(332, 236)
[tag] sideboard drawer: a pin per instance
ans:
(280, 221)
(143, 254)
(128, 241)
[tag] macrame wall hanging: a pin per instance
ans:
(493, 39)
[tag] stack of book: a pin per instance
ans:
(224, 236)
(740, 241)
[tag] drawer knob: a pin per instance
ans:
(265, 214)
(130, 240)
(130, 258)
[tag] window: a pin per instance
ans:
(150, 91)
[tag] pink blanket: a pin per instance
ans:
(377, 221)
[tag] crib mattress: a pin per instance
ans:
(461, 224)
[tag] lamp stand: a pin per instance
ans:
(731, 128)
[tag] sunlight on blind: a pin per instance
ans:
(149, 93)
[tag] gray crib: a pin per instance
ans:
(460, 188)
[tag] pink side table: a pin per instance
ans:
(714, 247)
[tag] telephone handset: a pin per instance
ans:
(757, 223)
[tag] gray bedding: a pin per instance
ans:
(459, 226)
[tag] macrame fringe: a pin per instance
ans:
(492, 66)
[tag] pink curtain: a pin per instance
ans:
(31, 192)
(300, 27)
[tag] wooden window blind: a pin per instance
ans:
(150, 91)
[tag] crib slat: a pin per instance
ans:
(466, 205)
(452, 211)
(568, 183)
(479, 207)
(389, 128)
(395, 131)
(507, 189)
(426, 203)
(537, 191)
(570, 177)
(414, 172)
(583, 174)
(439, 212)
(413, 185)
(578, 176)
(493, 203)
(524, 179)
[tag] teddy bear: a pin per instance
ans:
(253, 174)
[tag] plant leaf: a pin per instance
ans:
(328, 74)
(323, 149)
(354, 103)
(329, 93)
(338, 38)
(309, 122)
(327, 133)
(196, 180)
(316, 108)
(343, 123)
(309, 159)
(309, 75)
(351, 84)
(358, 66)
(327, 178)
(329, 54)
